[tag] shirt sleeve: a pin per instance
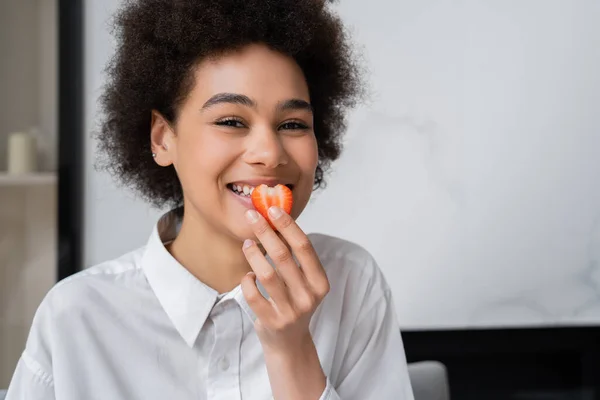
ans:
(375, 366)
(30, 382)
(32, 379)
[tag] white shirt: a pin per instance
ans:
(143, 327)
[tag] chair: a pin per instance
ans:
(429, 380)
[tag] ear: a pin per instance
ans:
(162, 140)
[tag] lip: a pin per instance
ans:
(245, 201)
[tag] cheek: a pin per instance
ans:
(202, 158)
(305, 153)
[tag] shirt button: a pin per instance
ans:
(224, 364)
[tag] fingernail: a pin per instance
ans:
(275, 212)
(250, 274)
(248, 243)
(251, 216)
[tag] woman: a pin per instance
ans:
(205, 101)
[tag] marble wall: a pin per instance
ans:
(472, 173)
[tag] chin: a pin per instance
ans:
(241, 233)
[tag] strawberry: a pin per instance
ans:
(264, 197)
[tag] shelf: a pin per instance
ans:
(35, 179)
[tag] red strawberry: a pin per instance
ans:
(264, 197)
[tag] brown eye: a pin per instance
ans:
(293, 125)
(230, 122)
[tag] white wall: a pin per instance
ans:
(472, 175)
(115, 222)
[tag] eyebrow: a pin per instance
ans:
(235, 98)
(294, 104)
(231, 98)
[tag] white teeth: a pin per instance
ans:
(242, 190)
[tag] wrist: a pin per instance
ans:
(300, 349)
(296, 371)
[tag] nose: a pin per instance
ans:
(264, 148)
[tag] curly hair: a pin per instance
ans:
(160, 41)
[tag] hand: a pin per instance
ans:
(295, 291)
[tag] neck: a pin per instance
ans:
(215, 258)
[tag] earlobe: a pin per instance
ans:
(160, 134)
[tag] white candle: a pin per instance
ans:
(22, 153)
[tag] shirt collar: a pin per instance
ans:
(186, 300)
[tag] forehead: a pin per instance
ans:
(255, 71)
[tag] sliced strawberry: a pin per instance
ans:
(264, 197)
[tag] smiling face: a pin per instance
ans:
(246, 121)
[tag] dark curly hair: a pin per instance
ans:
(160, 41)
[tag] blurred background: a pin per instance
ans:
(29, 112)
(472, 174)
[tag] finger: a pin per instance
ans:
(261, 306)
(302, 249)
(279, 252)
(265, 274)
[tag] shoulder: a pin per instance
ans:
(340, 256)
(87, 285)
(350, 269)
(74, 299)
(335, 248)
